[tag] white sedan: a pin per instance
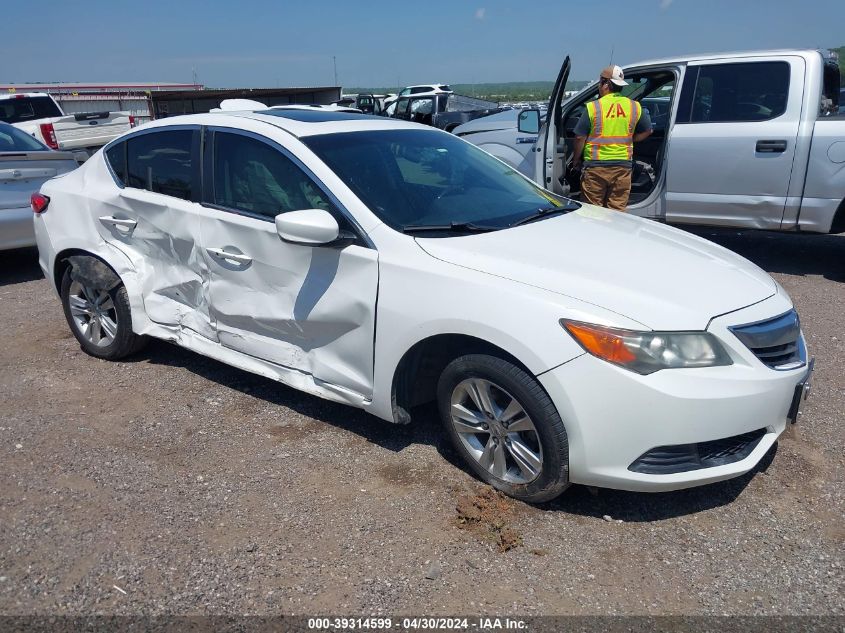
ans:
(385, 265)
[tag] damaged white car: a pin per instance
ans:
(385, 265)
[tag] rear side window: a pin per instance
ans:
(116, 157)
(19, 109)
(252, 176)
(161, 162)
(14, 140)
(721, 93)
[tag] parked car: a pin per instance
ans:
(423, 89)
(370, 103)
(38, 114)
(742, 144)
(442, 110)
(385, 264)
(25, 164)
(497, 134)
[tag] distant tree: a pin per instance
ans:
(514, 91)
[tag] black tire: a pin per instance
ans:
(125, 341)
(510, 380)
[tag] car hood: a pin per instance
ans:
(499, 121)
(660, 276)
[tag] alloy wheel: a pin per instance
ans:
(496, 431)
(93, 313)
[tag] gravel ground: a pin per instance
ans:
(171, 483)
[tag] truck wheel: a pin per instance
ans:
(505, 427)
(100, 319)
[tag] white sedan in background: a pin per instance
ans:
(385, 265)
(25, 165)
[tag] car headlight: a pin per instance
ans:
(648, 352)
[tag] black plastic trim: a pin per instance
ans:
(776, 342)
(682, 458)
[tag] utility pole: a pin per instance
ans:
(334, 62)
(194, 74)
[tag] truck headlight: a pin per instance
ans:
(648, 352)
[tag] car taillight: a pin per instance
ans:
(38, 203)
(49, 135)
(131, 121)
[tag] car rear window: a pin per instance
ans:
(116, 158)
(161, 162)
(14, 140)
(19, 109)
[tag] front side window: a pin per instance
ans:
(161, 162)
(753, 91)
(252, 176)
(429, 178)
(401, 111)
(422, 110)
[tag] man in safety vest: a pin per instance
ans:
(604, 142)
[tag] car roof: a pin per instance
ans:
(300, 122)
(20, 95)
(724, 55)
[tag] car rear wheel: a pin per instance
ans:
(505, 427)
(99, 318)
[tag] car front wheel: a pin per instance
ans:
(505, 427)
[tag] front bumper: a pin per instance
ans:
(16, 229)
(613, 416)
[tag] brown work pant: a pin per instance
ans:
(606, 186)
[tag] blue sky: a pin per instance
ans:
(269, 43)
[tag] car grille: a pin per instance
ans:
(681, 458)
(776, 342)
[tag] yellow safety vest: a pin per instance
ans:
(613, 119)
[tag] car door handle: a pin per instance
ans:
(219, 253)
(771, 147)
(121, 223)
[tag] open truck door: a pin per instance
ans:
(550, 154)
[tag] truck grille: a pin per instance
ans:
(681, 458)
(776, 342)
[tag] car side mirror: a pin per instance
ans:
(310, 227)
(529, 121)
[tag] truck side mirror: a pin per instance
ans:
(529, 121)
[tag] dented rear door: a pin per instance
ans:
(311, 309)
(153, 216)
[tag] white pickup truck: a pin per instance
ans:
(749, 140)
(38, 114)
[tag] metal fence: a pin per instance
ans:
(136, 104)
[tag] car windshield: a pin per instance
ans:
(427, 178)
(14, 140)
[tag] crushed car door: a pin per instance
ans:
(733, 142)
(307, 308)
(550, 157)
(153, 218)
